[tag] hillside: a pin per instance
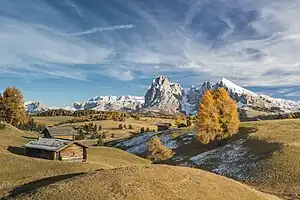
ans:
(17, 169)
(148, 183)
(264, 154)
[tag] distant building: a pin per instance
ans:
(163, 126)
(66, 133)
(56, 149)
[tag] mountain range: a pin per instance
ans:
(167, 97)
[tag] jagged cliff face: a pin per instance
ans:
(169, 98)
(244, 98)
(163, 95)
(33, 107)
(111, 103)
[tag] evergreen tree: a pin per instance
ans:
(207, 121)
(13, 101)
(99, 128)
(142, 130)
(147, 129)
(130, 126)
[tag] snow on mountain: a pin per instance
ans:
(34, 107)
(111, 103)
(163, 95)
(166, 97)
(244, 98)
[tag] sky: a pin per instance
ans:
(63, 51)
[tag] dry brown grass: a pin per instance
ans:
(156, 182)
(110, 127)
(277, 142)
(18, 169)
(51, 120)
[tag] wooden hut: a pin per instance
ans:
(67, 133)
(163, 126)
(56, 149)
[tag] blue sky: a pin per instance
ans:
(61, 51)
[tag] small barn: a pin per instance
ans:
(163, 126)
(56, 149)
(66, 133)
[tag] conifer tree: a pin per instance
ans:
(157, 151)
(218, 116)
(13, 100)
(228, 114)
(207, 122)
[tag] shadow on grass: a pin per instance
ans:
(35, 185)
(30, 138)
(195, 147)
(16, 150)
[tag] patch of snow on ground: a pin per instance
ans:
(168, 142)
(187, 138)
(233, 160)
(136, 145)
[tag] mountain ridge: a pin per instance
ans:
(166, 96)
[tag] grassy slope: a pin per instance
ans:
(279, 169)
(51, 120)
(149, 183)
(18, 169)
(112, 127)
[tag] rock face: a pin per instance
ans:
(163, 95)
(169, 98)
(245, 98)
(111, 103)
(33, 107)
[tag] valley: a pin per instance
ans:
(260, 158)
(109, 174)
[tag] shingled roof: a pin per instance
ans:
(61, 130)
(50, 144)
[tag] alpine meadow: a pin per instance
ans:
(149, 100)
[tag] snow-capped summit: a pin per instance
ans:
(243, 97)
(111, 103)
(33, 107)
(234, 88)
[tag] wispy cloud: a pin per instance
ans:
(252, 42)
(95, 30)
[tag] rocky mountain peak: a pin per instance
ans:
(163, 94)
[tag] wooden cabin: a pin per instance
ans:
(66, 133)
(163, 126)
(56, 149)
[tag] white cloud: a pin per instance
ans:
(124, 75)
(75, 7)
(95, 30)
(160, 40)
